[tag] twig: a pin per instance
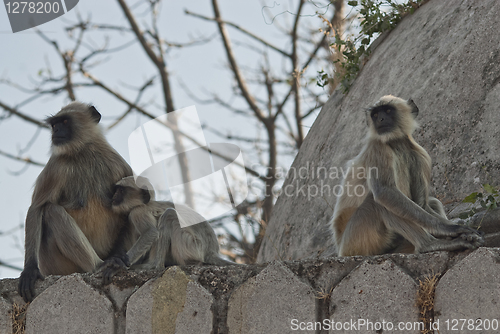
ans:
(243, 30)
(23, 116)
(27, 160)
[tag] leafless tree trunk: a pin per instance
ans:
(159, 61)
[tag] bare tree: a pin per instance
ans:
(270, 109)
(279, 98)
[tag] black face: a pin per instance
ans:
(383, 118)
(62, 131)
(118, 196)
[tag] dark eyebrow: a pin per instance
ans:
(382, 108)
(56, 119)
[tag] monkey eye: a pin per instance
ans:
(388, 111)
(375, 115)
(65, 121)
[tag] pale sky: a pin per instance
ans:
(201, 68)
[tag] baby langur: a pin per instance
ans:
(394, 212)
(162, 241)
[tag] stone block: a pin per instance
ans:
(139, 310)
(5, 320)
(470, 291)
(270, 303)
(492, 240)
(487, 221)
(374, 298)
(172, 304)
(70, 306)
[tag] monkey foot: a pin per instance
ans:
(110, 268)
(474, 237)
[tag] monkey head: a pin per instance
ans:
(391, 118)
(130, 193)
(73, 127)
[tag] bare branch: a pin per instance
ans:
(243, 30)
(240, 138)
(138, 33)
(27, 160)
(158, 61)
(215, 99)
(136, 102)
(218, 100)
(10, 266)
(68, 59)
(296, 76)
(312, 55)
(87, 26)
(146, 113)
(316, 107)
(23, 116)
(269, 86)
(234, 66)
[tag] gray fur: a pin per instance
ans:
(70, 226)
(395, 212)
(158, 223)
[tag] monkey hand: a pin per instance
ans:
(26, 287)
(111, 266)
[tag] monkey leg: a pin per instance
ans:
(52, 260)
(160, 254)
(366, 233)
(404, 246)
(63, 233)
(187, 246)
(211, 244)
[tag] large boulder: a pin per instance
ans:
(446, 57)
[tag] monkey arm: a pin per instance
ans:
(145, 224)
(31, 271)
(396, 202)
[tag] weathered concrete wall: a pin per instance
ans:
(446, 57)
(279, 297)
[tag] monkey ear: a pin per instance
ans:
(96, 116)
(414, 108)
(146, 196)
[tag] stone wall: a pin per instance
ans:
(358, 293)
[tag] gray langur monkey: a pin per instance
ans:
(161, 234)
(395, 212)
(70, 226)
